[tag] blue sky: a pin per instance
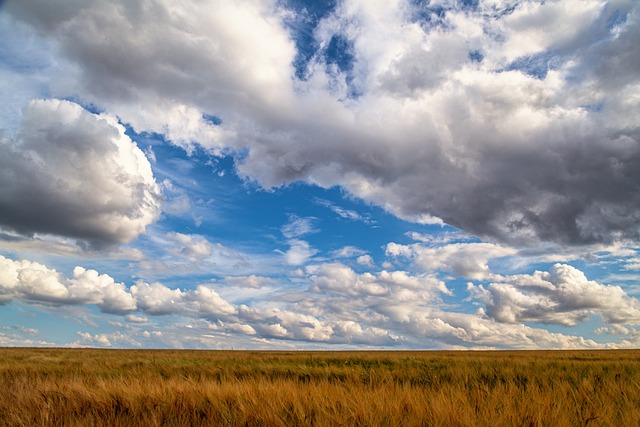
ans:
(320, 175)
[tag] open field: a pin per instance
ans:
(227, 388)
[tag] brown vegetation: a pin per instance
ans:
(69, 387)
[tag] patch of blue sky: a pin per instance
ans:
(496, 12)
(458, 300)
(616, 19)
(339, 52)
(476, 56)
(53, 324)
(89, 106)
(26, 66)
(428, 15)
(307, 16)
(434, 14)
(339, 57)
(21, 50)
(210, 118)
(244, 218)
(468, 4)
(594, 108)
(536, 66)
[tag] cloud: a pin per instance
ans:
(346, 214)
(339, 306)
(366, 260)
(176, 202)
(180, 254)
(132, 318)
(512, 123)
(251, 281)
(72, 173)
(165, 55)
(104, 340)
(299, 252)
(348, 252)
(34, 282)
(298, 227)
(192, 247)
(468, 260)
(157, 299)
(612, 330)
(562, 296)
(210, 303)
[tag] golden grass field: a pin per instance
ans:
(69, 387)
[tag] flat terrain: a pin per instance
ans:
(237, 388)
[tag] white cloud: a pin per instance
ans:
(276, 323)
(348, 252)
(299, 252)
(344, 213)
(563, 295)
(31, 281)
(366, 260)
(187, 254)
(469, 260)
(298, 227)
(104, 340)
(612, 330)
(158, 299)
(192, 247)
(90, 287)
(132, 318)
(514, 121)
(340, 306)
(251, 281)
(210, 303)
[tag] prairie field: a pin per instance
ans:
(87, 387)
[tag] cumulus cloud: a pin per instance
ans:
(72, 173)
(132, 318)
(468, 260)
(387, 296)
(299, 252)
(35, 282)
(104, 340)
(340, 306)
(32, 281)
(563, 296)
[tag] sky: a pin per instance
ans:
(297, 174)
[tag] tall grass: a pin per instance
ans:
(73, 387)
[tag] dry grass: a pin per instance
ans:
(70, 387)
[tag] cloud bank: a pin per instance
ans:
(514, 121)
(337, 305)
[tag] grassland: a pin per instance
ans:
(69, 387)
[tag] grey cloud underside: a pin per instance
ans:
(71, 173)
(504, 153)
